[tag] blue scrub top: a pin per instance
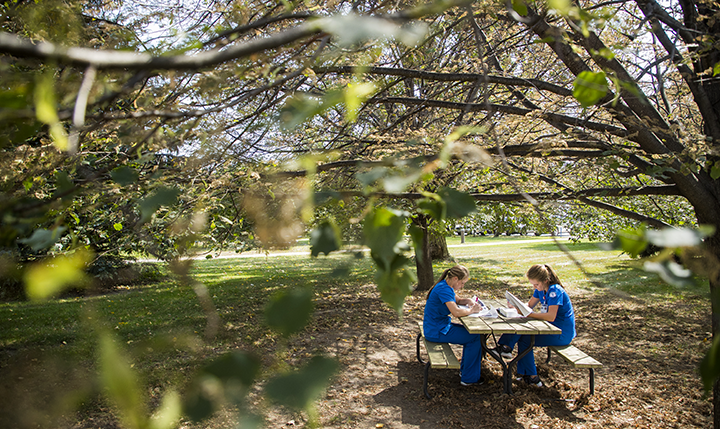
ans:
(565, 319)
(437, 316)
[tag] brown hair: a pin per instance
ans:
(458, 271)
(544, 274)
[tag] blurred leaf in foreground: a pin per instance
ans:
(289, 311)
(298, 389)
(50, 277)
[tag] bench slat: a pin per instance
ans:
(441, 355)
(576, 357)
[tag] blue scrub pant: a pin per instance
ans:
(472, 351)
(526, 365)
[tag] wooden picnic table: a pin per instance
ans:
(501, 325)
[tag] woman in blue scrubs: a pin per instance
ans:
(556, 308)
(437, 325)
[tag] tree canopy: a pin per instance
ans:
(147, 128)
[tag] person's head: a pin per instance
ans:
(542, 276)
(455, 276)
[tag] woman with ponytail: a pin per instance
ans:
(437, 325)
(556, 308)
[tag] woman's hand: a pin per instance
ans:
(549, 316)
(461, 312)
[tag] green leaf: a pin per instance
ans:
(289, 311)
(46, 109)
(117, 226)
(15, 98)
(434, 208)
(716, 69)
(43, 238)
(355, 95)
(325, 238)
(715, 171)
(228, 377)
(170, 411)
(459, 204)
(677, 237)
(561, 6)
(351, 29)
(124, 175)
(161, 197)
(417, 234)
(302, 107)
(236, 366)
(367, 178)
(121, 383)
(298, 389)
(520, 7)
(399, 183)
(590, 87)
(63, 184)
(45, 279)
(383, 230)
(606, 53)
(198, 404)
(326, 195)
(631, 241)
(671, 272)
(397, 283)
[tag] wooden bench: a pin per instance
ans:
(440, 355)
(578, 359)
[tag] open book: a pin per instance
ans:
(521, 307)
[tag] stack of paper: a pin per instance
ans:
(519, 305)
(508, 312)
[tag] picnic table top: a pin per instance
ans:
(502, 325)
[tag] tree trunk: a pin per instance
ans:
(423, 261)
(438, 247)
(712, 245)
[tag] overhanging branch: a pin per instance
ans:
(512, 110)
(540, 196)
(449, 77)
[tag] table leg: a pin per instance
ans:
(507, 367)
(507, 383)
(508, 375)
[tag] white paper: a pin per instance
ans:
(519, 305)
(509, 313)
(487, 311)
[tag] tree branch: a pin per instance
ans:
(450, 77)
(106, 59)
(519, 111)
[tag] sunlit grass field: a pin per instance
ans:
(242, 284)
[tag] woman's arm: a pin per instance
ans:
(549, 316)
(533, 302)
(461, 312)
(464, 301)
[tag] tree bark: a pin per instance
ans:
(713, 247)
(423, 261)
(438, 247)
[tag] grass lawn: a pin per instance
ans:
(48, 349)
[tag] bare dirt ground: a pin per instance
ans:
(650, 354)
